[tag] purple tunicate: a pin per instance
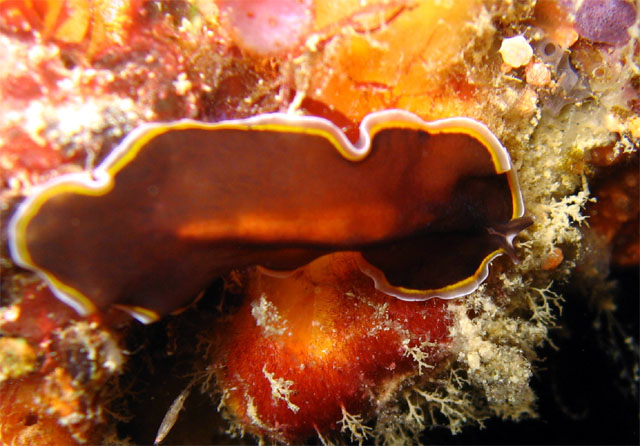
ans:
(605, 21)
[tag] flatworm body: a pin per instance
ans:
(426, 204)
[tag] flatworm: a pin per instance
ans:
(428, 205)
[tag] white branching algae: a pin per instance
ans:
(267, 317)
(280, 389)
(354, 425)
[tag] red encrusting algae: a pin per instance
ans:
(307, 350)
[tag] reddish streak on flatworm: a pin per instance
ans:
(428, 205)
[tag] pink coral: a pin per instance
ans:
(605, 21)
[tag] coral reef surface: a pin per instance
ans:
(539, 353)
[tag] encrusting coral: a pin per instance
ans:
(319, 356)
